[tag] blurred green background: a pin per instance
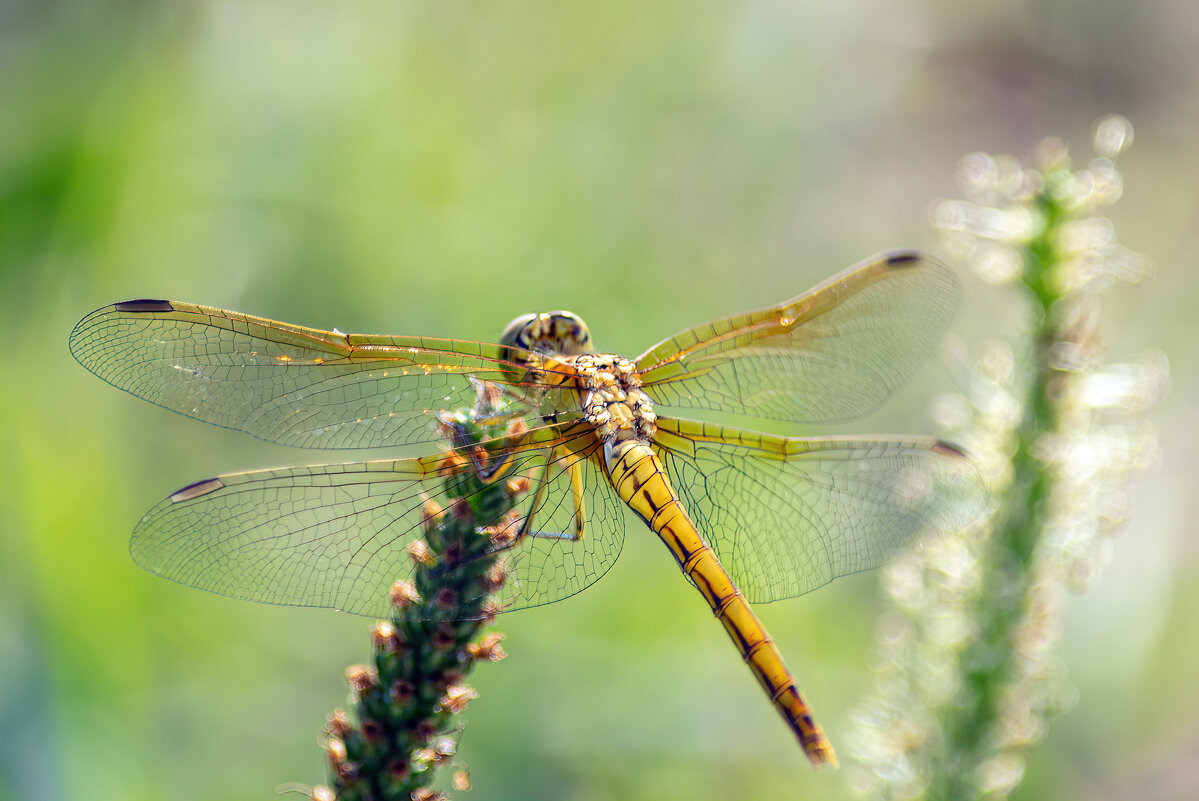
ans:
(441, 167)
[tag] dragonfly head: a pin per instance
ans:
(557, 333)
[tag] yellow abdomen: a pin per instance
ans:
(638, 477)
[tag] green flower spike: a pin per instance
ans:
(406, 716)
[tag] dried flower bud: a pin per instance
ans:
(517, 428)
(502, 535)
(425, 794)
(322, 793)
(487, 648)
(431, 511)
(489, 612)
(383, 634)
(496, 575)
(444, 748)
(362, 678)
(461, 781)
(456, 698)
(404, 595)
(335, 747)
(421, 553)
(338, 724)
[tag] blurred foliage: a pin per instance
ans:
(972, 675)
(440, 168)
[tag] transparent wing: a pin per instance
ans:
(833, 353)
(550, 565)
(335, 536)
(292, 385)
(788, 515)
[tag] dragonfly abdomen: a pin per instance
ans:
(639, 479)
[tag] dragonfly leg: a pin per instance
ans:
(576, 491)
(553, 535)
(579, 518)
(526, 528)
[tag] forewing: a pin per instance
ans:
(335, 536)
(292, 385)
(831, 354)
(788, 515)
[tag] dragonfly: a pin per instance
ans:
(749, 517)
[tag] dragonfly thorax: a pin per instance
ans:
(613, 401)
(609, 387)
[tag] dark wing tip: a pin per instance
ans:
(196, 490)
(899, 259)
(143, 306)
(91, 328)
(949, 449)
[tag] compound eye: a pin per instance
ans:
(515, 332)
(571, 332)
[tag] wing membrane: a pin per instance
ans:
(550, 566)
(288, 384)
(831, 354)
(788, 515)
(335, 536)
